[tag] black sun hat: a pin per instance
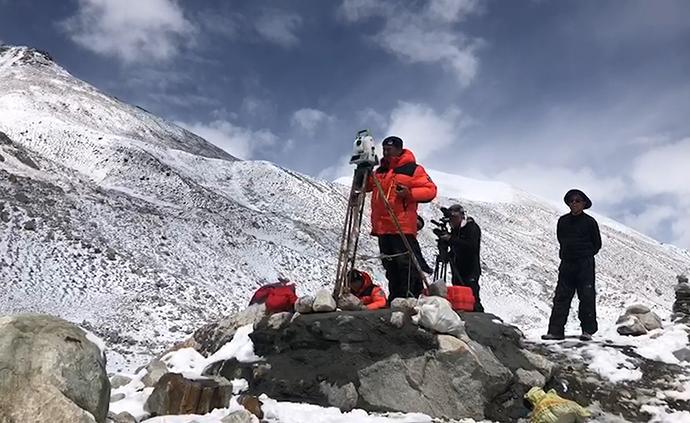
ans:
(572, 192)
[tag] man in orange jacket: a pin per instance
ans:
(405, 184)
(362, 287)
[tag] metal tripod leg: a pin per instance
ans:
(350, 237)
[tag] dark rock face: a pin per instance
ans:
(368, 360)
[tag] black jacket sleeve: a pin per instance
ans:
(596, 237)
(466, 242)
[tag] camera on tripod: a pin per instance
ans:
(441, 228)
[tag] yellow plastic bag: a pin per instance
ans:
(549, 407)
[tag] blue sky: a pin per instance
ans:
(545, 95)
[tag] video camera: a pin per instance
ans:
(442, 226)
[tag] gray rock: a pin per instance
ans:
(438, 289)
(50, 371)
(530, 378)
(637, 320)
(682, 354)
(154, 372)
(349, 302)
(117, 397)
(651, 321)
(432, 383)
(324, 302)
(239, 416)
(30, 225)
(304, 304)
(631, 326)
(111, 254)
(451, 344)
(545, 366)
(277, 320)
(211, 337)
(344, 397)
(637, 309)
(123, 417)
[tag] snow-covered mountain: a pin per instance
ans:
(114, 217)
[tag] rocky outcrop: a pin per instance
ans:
(381, 361)
(637, 320)
(681, 306)
(50, 371)
(174, 395)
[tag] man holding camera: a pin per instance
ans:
(464, 240)
(404, 184)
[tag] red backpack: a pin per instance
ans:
(279, 296)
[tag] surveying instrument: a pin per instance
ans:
(365, 158)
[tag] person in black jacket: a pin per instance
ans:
(580, 240)
(464, 241)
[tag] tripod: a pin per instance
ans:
(444, 257)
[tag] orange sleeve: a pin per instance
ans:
(422, 188)
(379, 297)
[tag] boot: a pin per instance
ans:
(552, 337)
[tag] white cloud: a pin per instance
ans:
(664, 170)
(130, 30)
(240, 142)
(424, 131)
(309, 119)
(648, 220)
(428, 35)
(552, 183)
(370, 115)
(256, 106)
(279, 27)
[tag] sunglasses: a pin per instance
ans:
(576, 200)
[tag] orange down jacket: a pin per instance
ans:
(371, 295)
(405, 171)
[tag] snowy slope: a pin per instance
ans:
(144, 230)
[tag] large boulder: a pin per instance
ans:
(380, 361)
(637, 320)
(50, 370)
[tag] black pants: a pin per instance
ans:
(414, 243)
(403, 278)
(471, 281)
(574, 276)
